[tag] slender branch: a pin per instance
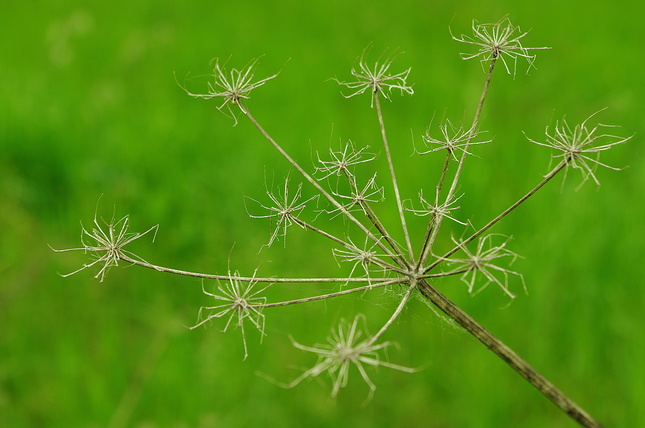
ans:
(498, 347)
(379, 281)
(330, 295)
(396, 313)
(443, 274)
(381, 263)
(145, 264)
(442, 179)
(473, 129)
(428, 239)
(397, 195)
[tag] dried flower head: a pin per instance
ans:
(483, 261)
(107, 245)
(579, 146)
(240, 302)
(377, 80)
(343, 350)
(360, 257)
(359, 198)
(453, 140)
(437, 210)
(285, 210)
(341, 162)
(499, 40)
(233, 86)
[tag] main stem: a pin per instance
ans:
(523, 368)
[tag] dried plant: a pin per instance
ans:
(382, 257)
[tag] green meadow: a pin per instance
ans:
(93, 121)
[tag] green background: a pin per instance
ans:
(89, 106)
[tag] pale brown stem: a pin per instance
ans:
(500, 349)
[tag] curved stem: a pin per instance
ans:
(396, 313)
(500, 349)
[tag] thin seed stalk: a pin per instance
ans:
(397, 195)
(427, 240)
(145, 264)
(473, 129)
(395, 315)
(331, 295)
(381, 263)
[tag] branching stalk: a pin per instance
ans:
(336, 294)
(237, 300)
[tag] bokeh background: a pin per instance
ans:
(91, 112)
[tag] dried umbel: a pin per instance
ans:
(377, 257)
(501, 40)
(107, 242)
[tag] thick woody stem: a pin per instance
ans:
(500, 349)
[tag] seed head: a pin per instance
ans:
(483, 261)
(343, 350)
(499, 40)
(377, 80)
(285, 210)
(240, 302)
(579, 146)
(234, 86)
(106, 244)
(453, 139)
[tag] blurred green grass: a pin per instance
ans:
(90, 107)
